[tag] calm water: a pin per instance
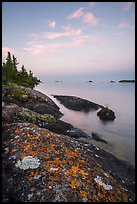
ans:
(120, 97)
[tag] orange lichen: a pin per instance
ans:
(72, 184)
(26, 147)
(74, 169)
(14, 150)
(17, 131)
(83, 194)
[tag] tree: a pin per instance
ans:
(10, 74)
(7, 69)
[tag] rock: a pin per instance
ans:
(43, 107)
(77, 133)
(59, 127)
(31, 99)
(13, 112)
(106, 114)
(41, 166)
(76, 103)
(24, 98)
(98, 138)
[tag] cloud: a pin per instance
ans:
(91, 19)
(5, 51)
(123, 25)
(52, 24)
(54, 35)
(66, 28)
(77, 14)
(127, 6)
(76, 41)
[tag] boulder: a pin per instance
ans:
(106, 114)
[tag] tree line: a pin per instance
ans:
(11, 74)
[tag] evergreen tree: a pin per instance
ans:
(10, 74)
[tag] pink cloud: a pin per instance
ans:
(123, 25)
(67, 28)
(52, 24)
(77, 14)
(77, 41)
(127, 6)
(5, 51)
(54, 35)
(37, 50)
(91, 19)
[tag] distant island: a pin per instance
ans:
(89, 81)
(58, 81)
(126, 80)
(112, 81)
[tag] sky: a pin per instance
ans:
(71, 39)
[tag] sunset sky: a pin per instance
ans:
(59, 39)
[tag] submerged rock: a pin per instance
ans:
(106, 114)
(98, 138)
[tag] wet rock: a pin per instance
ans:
(59, 127)
(98, 138)
(77, 133)
(76, 103)
(106, 114)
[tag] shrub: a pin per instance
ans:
(48, 118)
(30, 117)
(18, 93)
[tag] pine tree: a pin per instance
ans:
(10, 74)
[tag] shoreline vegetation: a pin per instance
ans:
(45, 161)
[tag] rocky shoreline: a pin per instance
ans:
(44, 159)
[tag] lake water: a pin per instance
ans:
(120, 97)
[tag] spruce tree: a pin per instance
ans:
(10, 74)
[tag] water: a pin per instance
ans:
(120, 97)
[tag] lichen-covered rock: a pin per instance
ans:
(12, 113)
(31, 99)
(41, 166)
(106, 114)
